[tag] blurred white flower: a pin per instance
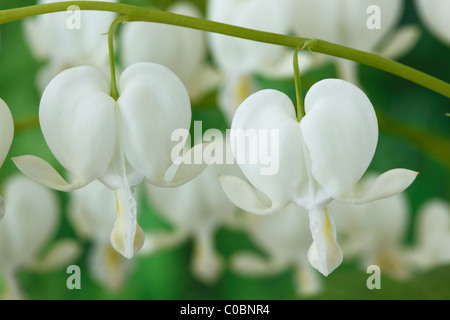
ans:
(239, 59)
(345, 22)
(432, 235)
(52, 40)
(6, 137)
(195, 210)
(92, 212)
(374, 233)
(320, 159)
(118, 142)
(31, 222)
(182, 50)
(435, 16)
(285, 238)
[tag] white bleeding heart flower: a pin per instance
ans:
(374, 233)
(6, 137)
(32, 220)
(320, 159)
(285, 239)
(162, 44)
(432, 235)
(434, 15)
(368, 25)
(239, 59)
(92, 211)
(69, 39)
(118, 142)
(195, 210)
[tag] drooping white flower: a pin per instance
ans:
(118, 142)
(368, 25)
(320, 159)
(92, 211)
(32, 219)
(432, 235)
(239, 59)
(182, 50)
(195, 210)
(434, 15)
(285, 238)
(6, 137)
(374, 233)
(69, 39)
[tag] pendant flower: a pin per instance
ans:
(239, 59)
(373, 233)
(161, 43)
(6, 137)
(118, 142)
(434, 15)
(320, 159)
(68, 39)
(349, 23)
(92, 212)
(285, 238)
(196, 210)
(32, 220)
(432, 235)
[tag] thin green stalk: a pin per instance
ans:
(136, 13)
(298, 84)
(112, 64)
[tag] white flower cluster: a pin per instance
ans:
(312, 211)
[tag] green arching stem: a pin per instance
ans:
(136, 13)
(112, 65)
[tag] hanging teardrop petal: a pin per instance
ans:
(384, 186)
(42, 172)
(245, 196)
(324, 254)
(127, 236)
(188, 169)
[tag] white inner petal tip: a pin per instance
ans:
(325, 253)
(122, 243)
(127, 237)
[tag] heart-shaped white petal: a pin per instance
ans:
(6, 130)
(341, 132)
(266, 142)
(77, 118)
(153, 103)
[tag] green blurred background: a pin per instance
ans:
(414, 134)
